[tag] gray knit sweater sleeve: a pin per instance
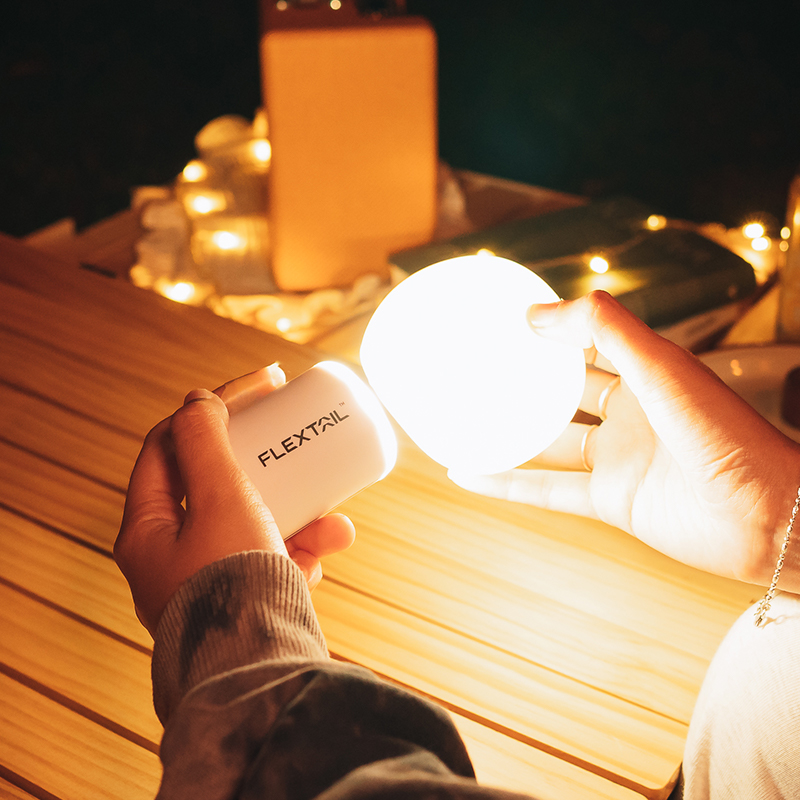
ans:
(254, 708)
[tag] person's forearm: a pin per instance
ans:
(246, 609)
(252, 703)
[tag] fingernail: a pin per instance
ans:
(541, 315)
(276, 374)
(197, 394)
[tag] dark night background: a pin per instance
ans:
(692, 107)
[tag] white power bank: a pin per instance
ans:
(313, 443)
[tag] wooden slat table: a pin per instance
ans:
(569, 654)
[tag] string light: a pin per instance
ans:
(180, 292)
(761, 243)
(205, 203)
(236, 243)
(261, 150)
(195, 171)
(598, 264)
(227, 240)
(753, 230)
(655, 222)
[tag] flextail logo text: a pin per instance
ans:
(306, 435)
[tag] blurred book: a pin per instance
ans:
(673, 278)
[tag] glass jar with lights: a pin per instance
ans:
(224, 194)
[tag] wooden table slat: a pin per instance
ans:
(107, 677)
(147, 320)
(475, 679)
(569, 652)
(56, 496)
(67, 755)
(43, 428)
(76, 579)
(9, 791)
(500, 760)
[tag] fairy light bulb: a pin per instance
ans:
(261, 150)
(206, 203)
(227, 240)
(598, 264)
(180, 292)
(450, 354)
(753, 230)
(195, 171)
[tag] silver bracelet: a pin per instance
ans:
(766, 600)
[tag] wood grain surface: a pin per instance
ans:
(569, 654)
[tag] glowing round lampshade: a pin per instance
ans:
(450, 354)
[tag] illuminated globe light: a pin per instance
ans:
(451, 355)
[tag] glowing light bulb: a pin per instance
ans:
(336, 4)
(261, 150)
(450, 354)
(180, 292)
(598, 264)
(283, 324)
(761, 243)
(753, 230)
(655, 222)
(785, 232)
(206, 203)
(195, 171)
(227, 240)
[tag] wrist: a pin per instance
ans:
(763, 607)
(780, 516)
(248, 608)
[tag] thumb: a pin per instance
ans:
(599, 320)
(219, 495)
(205, 459)
(677, 392)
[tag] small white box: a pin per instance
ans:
(313, 443)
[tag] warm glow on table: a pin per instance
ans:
(569, 654)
